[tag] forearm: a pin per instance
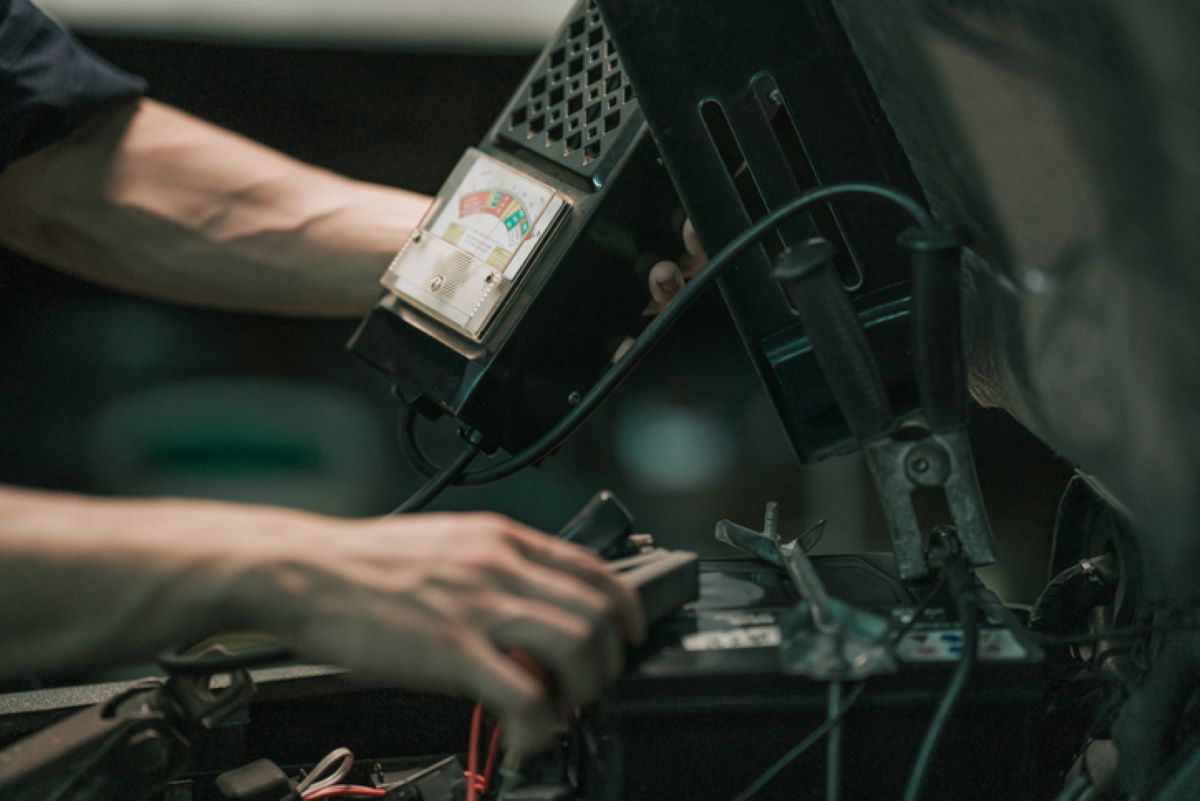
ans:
(425, 601)
(87, 582)
(151, 200)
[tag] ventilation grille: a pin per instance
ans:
(576, 100)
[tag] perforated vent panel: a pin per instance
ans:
(576, 100)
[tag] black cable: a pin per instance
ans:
(969, 618)
(406, 432)
(434, 486)
(833, 749)
(176, 659)
(663, 321)
(919, 610)
(808, 742)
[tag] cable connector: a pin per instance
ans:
(261, 780)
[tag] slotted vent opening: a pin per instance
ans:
(734, 160)
(787, 134)
(578, 99)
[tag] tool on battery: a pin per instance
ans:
(902, 458)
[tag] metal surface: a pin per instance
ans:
(574, 105)
(822, 637)
(900, 467)
(749, 104)
(761, 544)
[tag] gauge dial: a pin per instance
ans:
(492, 212)
(490, 222)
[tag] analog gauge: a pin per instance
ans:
(489, 224)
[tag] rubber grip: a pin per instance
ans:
(602, 526)
(938, 354)
(837, 337)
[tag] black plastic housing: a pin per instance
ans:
(749, 105)
(587, 291)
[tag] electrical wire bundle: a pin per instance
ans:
(839, 707)
(960, 582)
(325, 779)
(479, 783)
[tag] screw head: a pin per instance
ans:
(575, 398)
(927, 464)
(437, 282)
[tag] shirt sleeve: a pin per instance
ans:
(49, 82)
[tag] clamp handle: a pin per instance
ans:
(811, 283)
(939, 359)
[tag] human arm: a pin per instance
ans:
(429, 602)
(149, 199)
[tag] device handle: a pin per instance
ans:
(602, 526)
(938, 353)
(811, 283)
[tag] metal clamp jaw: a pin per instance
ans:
(901, 467)
(822, 637)
(900, 463)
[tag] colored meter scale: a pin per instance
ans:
(487, 227)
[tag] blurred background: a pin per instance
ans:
(110, 394)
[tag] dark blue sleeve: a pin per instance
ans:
(49, 82)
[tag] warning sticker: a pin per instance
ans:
(733, 639)
(946, 645)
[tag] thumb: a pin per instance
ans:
(666, 280)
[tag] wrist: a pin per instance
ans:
(278, 576)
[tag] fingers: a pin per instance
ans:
(594, 622)
(622, 600)
(667, 277)
(512, 693)
(436, 645)
(578, 657)
(666, 280)
(694, 256)
(439, 604)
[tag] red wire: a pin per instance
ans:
(340, 790)
(473, 780)
(493, 753)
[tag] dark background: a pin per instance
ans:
(106, 393)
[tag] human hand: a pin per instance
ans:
(667, 277)
(439, 601)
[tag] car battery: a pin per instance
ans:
(706, 707)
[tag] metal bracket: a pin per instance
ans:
(822, 637)
(761, 544)
(899, 467)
